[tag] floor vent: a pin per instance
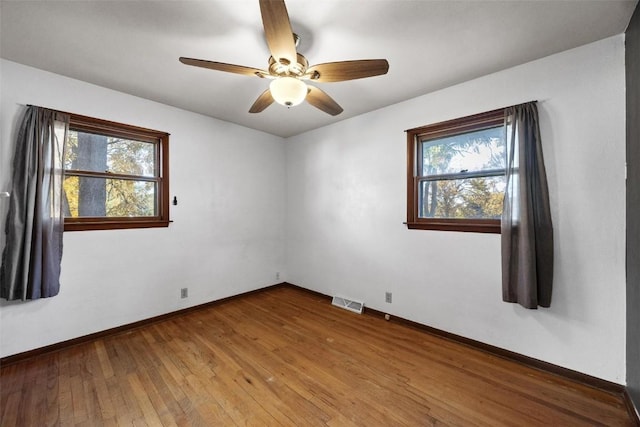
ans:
(347, 304)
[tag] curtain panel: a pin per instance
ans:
(526, 228)
(34, 224)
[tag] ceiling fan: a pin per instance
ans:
(288, 69)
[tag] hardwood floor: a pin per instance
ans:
(287, 357)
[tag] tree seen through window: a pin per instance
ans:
(451, 187)
(92, 196)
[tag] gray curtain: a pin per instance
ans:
(34, 225)
(527, 232)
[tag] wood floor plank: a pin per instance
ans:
(78, 404)
(105, 364)
(143, 398)
(287, 357)
(10, 409)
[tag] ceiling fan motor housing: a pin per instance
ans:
(284, 68)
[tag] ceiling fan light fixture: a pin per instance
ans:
(288, 91)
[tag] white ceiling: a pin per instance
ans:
(133, 46)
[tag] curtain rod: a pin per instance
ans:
(49, 108)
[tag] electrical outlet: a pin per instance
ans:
(184, 292)
(387, 297)
(278, 275)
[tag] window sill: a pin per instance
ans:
(114, 225)
(472, 226)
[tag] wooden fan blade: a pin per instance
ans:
(322, 101)
(262, 102)
(277, 30)
(348, 70)
(221, 66)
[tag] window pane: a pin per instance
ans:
(100, 197)
(474, 198)
(101, 153)
(469, 152)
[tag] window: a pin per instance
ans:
(115, 176)
(456, 174)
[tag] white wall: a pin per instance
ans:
(227, 238)
(346, 201)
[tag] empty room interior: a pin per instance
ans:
(332, 213)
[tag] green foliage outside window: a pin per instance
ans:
(124, 196)
(463, 175)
